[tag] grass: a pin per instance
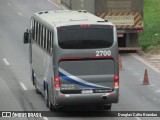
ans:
(150, 38)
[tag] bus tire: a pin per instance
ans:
(32, 77)
(50, 106)
(46, 97)
(37, 90)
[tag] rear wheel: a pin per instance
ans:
(34, 81)
(32, 77)
(134, 39)
(46, 97)
(37, 90)
(50, 106)
(121, 41)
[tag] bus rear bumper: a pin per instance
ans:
(86, 99)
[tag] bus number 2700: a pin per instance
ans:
(103, 53)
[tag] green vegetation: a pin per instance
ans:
(150, 38)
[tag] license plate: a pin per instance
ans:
(87, 91)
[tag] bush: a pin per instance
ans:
(150, 38)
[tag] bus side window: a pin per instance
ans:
(38, 31)
(51, 37)
(36, 35)
(33, 29)
(44, 38)
(49, 47)
(38, 40)
(50, 41)
(41, 35)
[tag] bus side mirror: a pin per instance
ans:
(26, 37)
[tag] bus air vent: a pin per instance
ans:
(101, 21)
(40, 12)
(84, 11)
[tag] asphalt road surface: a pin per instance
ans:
(18, 94)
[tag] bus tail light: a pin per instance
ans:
(57, 82)
(138, 31)
(116, 77)
(116, 84)
(116, 81)
(57, 85)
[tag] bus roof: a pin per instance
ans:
(68, 17)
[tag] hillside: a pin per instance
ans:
(150, 38)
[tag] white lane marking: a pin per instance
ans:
(137, 118)
(152, 85)
(9, 4)
(158, 91)
(23, 86)
(143, 61)
(45, 118)
(155, 99)
(5, 61)
(19, 13)
(54, 3)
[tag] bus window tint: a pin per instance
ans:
(85, 38)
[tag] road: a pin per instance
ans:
(17, 92)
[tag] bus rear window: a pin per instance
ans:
(85, 38)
